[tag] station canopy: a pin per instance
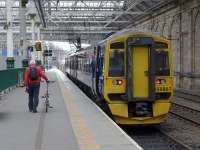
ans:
(63, 20)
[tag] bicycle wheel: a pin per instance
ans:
(46, 106)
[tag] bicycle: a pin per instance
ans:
(46, 96)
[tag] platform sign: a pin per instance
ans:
(30, 48)
(47, 53)
(24, 2)
(38, 46)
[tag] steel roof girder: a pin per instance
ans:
(136, 2)
(39, 7)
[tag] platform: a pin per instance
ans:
(73, 123)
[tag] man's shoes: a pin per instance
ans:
(34, 111)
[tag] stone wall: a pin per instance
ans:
(182, 26)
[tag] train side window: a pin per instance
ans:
(162, 63)
(116, 65)
(79, 64)
(82, 64)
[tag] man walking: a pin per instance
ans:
(33, 75)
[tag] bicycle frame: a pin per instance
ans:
(47, 96)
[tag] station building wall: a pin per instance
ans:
(182, 26)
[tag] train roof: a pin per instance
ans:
(132, 31)
(82, 52)
(126, 32)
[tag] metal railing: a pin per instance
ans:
(11, 77)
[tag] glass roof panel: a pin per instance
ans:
(90, 4)
(2, 3)
(109, 14)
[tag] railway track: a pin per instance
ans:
(186, 113)
(183, 131)
(194, 97)
(186, 106)
(153, 138)
(180, 131)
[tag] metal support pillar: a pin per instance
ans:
(23, 44)
(33, 37)
(10, 59)
(38, 31)
(39, 53)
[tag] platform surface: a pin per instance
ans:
(74, 122)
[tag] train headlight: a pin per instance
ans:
(117, 82)
(163, 81)
(160, 81)
(157, 81)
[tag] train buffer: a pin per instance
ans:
(74, 122)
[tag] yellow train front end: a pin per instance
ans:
(138, 78)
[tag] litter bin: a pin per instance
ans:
(25, 63)
(38, 62)
(10, 61)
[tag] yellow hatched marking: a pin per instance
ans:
(84, 137)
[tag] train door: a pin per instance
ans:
(93, 70)
(140, 69)
(99, 70)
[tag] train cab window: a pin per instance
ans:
(116, 65)
(160, 45)
(117, 45)
(162, 63)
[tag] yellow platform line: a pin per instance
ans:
(83, 134)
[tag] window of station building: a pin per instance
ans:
(116, 64)
(162, 63)
(117, 45)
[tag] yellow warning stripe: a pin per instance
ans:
(83, 134)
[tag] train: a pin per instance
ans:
(130, 73)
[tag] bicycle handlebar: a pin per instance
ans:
(50, 82)
(47, 81)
